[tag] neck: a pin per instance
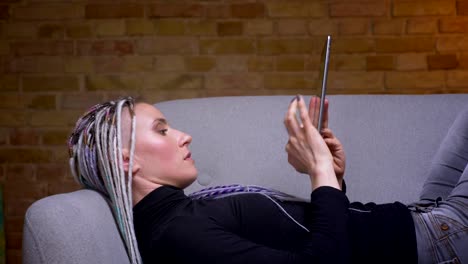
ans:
(142, 187)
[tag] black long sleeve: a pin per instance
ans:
(249, 228)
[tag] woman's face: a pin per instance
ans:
(161, 153)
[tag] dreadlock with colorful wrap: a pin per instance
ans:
(96, 162)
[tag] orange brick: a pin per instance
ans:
(170, 63)
(389, 27)
(20, 30)
(36, 64)
(462, 7)
(9, 83)
(359, 9)
(421, 26)
(80, 101)
(11, 101)
(62, 187)
(24, 136)
(411, 62)
(203, 28)
(50, 48)
(380, 63)
(411, 44)
(108, 64)
(4, 47)
(56, 137)
(109, 28)
(51, 11)
(234, 81)
(231, 63)
(41, 102)
(199, 63)
(4, 11)
(14, 191)
(344, 62)
(17, 207)
(20, 173)
(455, 43)
(169, 27)
(176, 10)
(286, 81)
(168, 45)
(349, 80)
(139, 27)
(79, 64)
(52, 172)
(463, 61)
(348, 62)
(217, 11)
(115, 10)
(248, 10)
(352, 45)
(457, 79)
(419, 80)
(353, 27)
(105, 47)
(43, 83)
(288, 46)
(21, 65)
(260, 63)
(173, 81)
(297, 9)
(54, 118)
(453, 25)
(423, 7)
(137, 64)
(227, 46)
(54, 31)
(291, 27)
(79, 30)
(258, 27)
(322, 27)
(290, 63)
(442, 61)
(25, 155)
(54, 65)
(113, 82)
(230, 28)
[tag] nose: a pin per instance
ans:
(185, 139)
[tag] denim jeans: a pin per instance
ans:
(441, 215)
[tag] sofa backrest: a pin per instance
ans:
(74, 228)
(389, 142)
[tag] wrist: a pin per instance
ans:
(323, 175)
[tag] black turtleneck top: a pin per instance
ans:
(250, 228)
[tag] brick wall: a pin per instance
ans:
(57, 58)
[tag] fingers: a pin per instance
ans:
(305, 118)
(314, 111)
(290, 120)
(325, 115)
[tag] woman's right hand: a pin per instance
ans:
(307, 150)
(333, 143)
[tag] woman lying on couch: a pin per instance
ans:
(129, 153)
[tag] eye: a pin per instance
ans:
(163, 132)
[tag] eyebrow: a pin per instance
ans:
(160, 120)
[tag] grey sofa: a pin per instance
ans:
(389, 141)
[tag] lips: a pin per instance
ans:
(188, 156)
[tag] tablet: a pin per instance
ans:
(323, 74)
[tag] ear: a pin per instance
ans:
(126, 162)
